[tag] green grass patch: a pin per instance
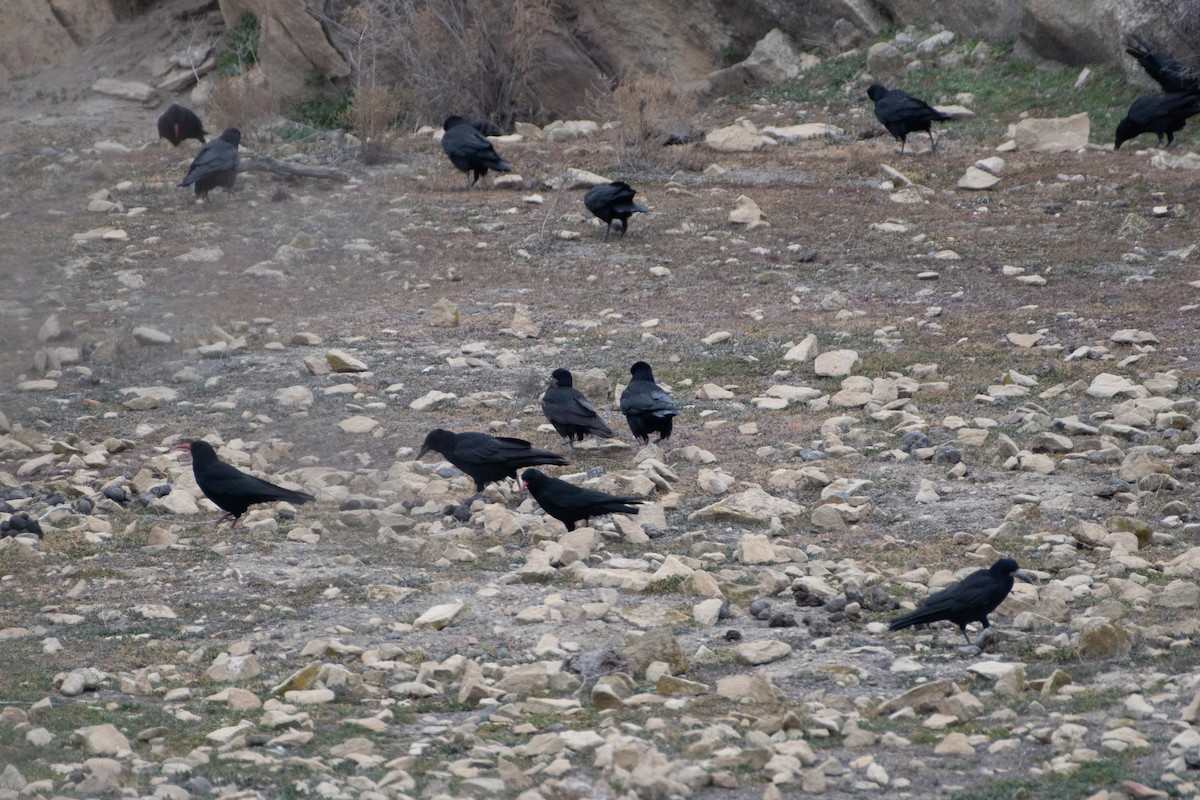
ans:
(241, 46)
(1088, 779)
(1004, 86)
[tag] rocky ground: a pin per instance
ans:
(886, 380)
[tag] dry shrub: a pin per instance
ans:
(1182, 19)
(240, 101)
(470, 57)
(653, 113)
(370, 115)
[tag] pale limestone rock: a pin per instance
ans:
(433, 400)
(803, 131)
(145, 335)
(756, 548)
(1054, 135)
(762, 652)
(1106, 385)
(836, 363)
(975, 178)
(745, 212)
(357, 424)
(753, 688)
(234, 668)
(741, 137)
(440, 616)
(752, 506)
(341, 361)
(802, 351)
(955, 744)
(297, 397)
(442, 314)
(102, 740)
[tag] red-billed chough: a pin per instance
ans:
(569, 503)
(469, 150)
(178, 123)
(216, 164)
(646, 406)
(231, 489)
(486, 458)
(613, 201)
(969, 600)
(570, 412)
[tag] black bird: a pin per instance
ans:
(646, 406)
(902, 114)
(570, 412)
(230, 488)
(485, 458)
(613, 201)
(969, 600)
(216, 164)
(1162, 67)
(1158, 114)
(569, 503)
(469, 150)
(178, 123)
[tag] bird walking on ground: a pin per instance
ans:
(570, 412)
(178, 123)
(231, 489)
(902, 114)
(613, 201)
(1158, 114)
(646, 407)
(569, 503)
(487, 459)
(470, 151)
(216, 164)
(969, 600)
(1162, 67)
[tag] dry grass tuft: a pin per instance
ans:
(653, 113)
(241, 101)
(370, 116)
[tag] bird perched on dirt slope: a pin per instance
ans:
(469, 150)
(178, 123)
(1158, 114)
(570, 412)
(1162, 67)
(230, 488)
(485, 458)
(569, 503)
(902, 114)
(613, 201)
(969, 600)
(216, 164)
(646, 407)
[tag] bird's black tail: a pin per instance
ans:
(922, 616)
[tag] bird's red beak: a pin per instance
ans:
(184, 446)
(524, 486)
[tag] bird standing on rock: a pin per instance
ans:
(646, 407)
(178, 123)
(486, 458)
(216, 164)
(570, 412)
(613, 201)
(969, 600)
(569, 503)
(902, 114)
(469, 150)
(231, 489)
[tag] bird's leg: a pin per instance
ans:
(608, 230)
(903, 141)
(932, 142)
(1170, 138)
(217, 522)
